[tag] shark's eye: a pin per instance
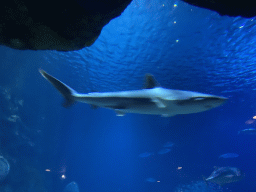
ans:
(199, 98)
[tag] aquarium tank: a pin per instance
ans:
(162, 100)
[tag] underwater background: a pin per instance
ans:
(185, 48)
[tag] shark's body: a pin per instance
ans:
(152, 100)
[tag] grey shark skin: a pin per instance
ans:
(153, 99)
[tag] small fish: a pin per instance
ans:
(13, 118)
(146, 154)
(151, 180)
(229, 155)
(168, 144)
(164, 151)
(224, 175)
(250, 131)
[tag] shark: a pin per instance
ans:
(152, 99)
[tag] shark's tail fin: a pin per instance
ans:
(205, 181)
(66, 91)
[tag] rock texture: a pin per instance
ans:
(246, 8)
(55, 25)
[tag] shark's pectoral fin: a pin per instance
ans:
(159, 102)
(119, 113)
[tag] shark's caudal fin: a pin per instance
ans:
(150, 82)
(205, 181)
(65, 90)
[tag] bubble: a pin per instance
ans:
(71, 187)
(4, 168)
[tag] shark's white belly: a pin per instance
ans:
(170, 110)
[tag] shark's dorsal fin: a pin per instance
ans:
(150, 82)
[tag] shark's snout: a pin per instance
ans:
(214, 101)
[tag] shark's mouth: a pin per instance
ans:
(200, 101)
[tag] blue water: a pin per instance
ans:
(185, 48)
